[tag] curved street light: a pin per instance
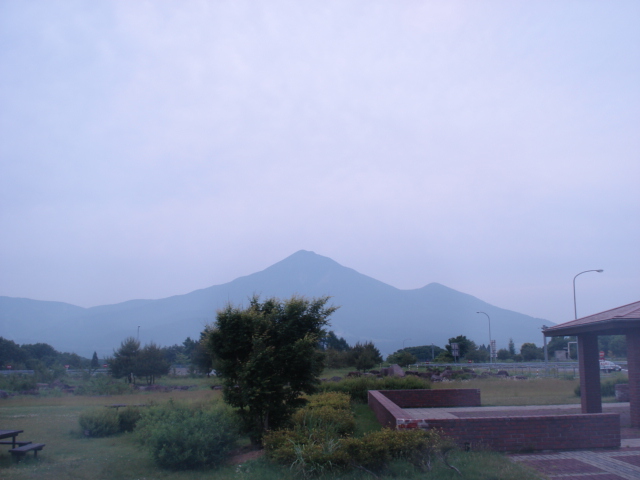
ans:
(575, 308)
(490, 352)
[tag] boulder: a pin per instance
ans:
(393, 371)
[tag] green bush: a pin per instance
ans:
(100, 422)
(102, 385)
(607, 387)
(326, 417)
(320, 441)
(17, 382)
(312, 453)
(357, 388)
(128, 418)
(182, 437)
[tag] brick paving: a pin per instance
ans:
(610, 464)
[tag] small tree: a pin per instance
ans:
(365, 356)
(529, 351)
(464, 345)
(503, 354)
(402, 358)
(267, 357)
(124, 360)
(95, 363)
(151, 363)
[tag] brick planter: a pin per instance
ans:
(501, 433)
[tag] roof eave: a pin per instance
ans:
(612, 326)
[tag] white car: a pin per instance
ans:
(608, 367)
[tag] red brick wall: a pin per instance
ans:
(453, 397)
(550, 432)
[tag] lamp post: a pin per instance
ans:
(575, 308)
(490, 350)
(138, 333)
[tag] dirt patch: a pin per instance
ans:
(244, 454)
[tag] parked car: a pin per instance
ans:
(608, 367)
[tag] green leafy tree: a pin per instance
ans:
(336, 359)
(424, 353)
(479, 355)
(530, 352)
(464, 345)
(41, 354)
(512, 347)
(124, 360)
(11, 354)
(613, 345)
(504, 354)
(331, 342)
(267, 356)
(95, 363)
(365, 356)
(151, 363)
(402, 358)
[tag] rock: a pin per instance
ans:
(622, 392)
(393, 371)
(503, 373)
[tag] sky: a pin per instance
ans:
(152, 148)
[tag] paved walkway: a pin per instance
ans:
(610, 464)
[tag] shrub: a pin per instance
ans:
(17, 382)
(311, 453)
(330, 411)
(182, 437)
(607, 387)
(99, 422)
(357, 388)
(128, 418)
(102, 385)
(318, 443)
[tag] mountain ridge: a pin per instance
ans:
(371, 310)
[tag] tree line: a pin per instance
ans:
(612, 345)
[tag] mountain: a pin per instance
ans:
(369, 310)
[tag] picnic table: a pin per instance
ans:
(10, 433)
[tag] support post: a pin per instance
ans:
(588, 358)
(633, 365)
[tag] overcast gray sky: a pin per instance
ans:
(152, 148)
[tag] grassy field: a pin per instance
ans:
(535, 391)
(68, 454)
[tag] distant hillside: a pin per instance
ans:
(369, 310)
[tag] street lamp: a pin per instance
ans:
(575, 308)
(490, 350)
(138, 333)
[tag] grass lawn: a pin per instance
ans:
(68, 454)
(507, 392)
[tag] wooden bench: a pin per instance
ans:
(19, 452)
(20, 444)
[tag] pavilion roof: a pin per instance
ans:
(611, 322)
